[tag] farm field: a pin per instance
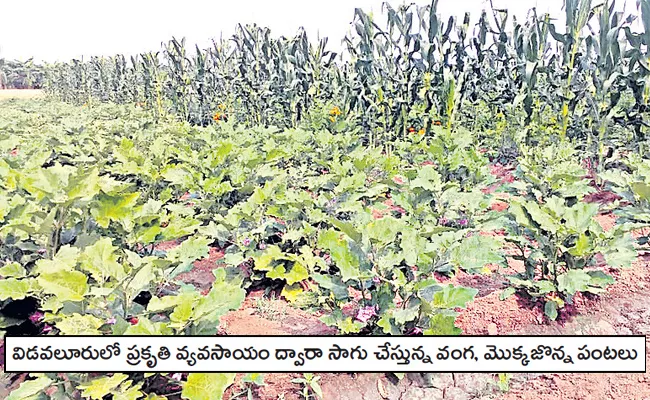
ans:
(126, 198)
(446, 180)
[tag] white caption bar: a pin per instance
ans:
(326, 354)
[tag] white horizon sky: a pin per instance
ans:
(64, 29)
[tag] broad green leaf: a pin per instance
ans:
(573, 281)
(346, 228)
(113, 187)
(52, 304)
(614, 176)
(600, 279)
(550, 309)
(194, 248)
(520, 215)
(440, 325)
(183, 311)
(206, 386)
(98, 388)
(214, 231)
(48, 183)
(387, 327)
(403, 316)
(316, 388)
(642, 190)
(146, 327)
(427, 288)
(147, 235)
(101, 261)
(545, 220)
(347, 325)
(223, 297)
(217, 187)
(178, 176)
(142, 280)
(341, 253)
(77, 324)
(520, 282)
(64, 260)
(30, 388)
(384, 229)
(157, 304)
(544, 286)
(557, 206)
(257, 379)
(580, 215)
(297, 274)
(83, 186)
(575, 189)
(133, 258)
(128, 392)
(351, 183)
(12, 270)
(114, 208)
(270, 254)
(180, 226)
(96, 291)
(412, 245)
(258, 197)
(507, 292)
(291, 293)
(151, 208)
(332, 283)
(5, 208)
(582, 247)
(620, 253)
(428, 178)
(66, 285)
(453, 297)
(6, 322)
(477, 251)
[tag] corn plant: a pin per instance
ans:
(401, 73)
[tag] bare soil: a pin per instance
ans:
(6, 94)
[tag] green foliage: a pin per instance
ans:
(406, 71)
(15, 74)
(206, 386)
(81, 234)
(359, 179)
(311, 387)
(556, 231)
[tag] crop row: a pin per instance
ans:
(411, 68)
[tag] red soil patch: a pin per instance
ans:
(506, 316)
(166, 246)
(201, 275)
(499, 205)
(259, 316)
(623, 309)
(504, 174)
(601, 197)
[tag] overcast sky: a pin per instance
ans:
(52, 30)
